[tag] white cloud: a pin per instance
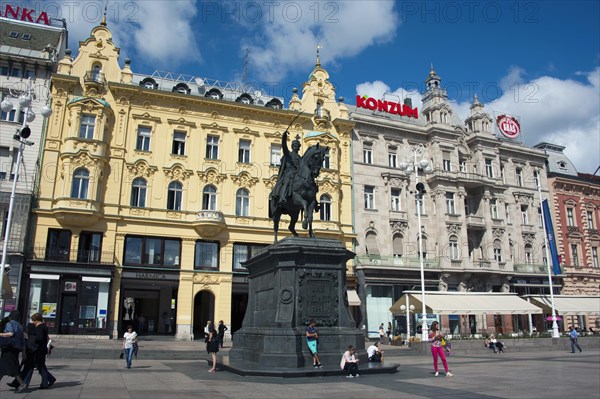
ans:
(158, 31)
(343, 29)
(559, 111)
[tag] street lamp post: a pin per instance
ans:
(555, 333)
(25, 98)
(415, 152)
(408, 310)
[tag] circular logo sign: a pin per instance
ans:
(508, 126)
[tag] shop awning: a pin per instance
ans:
(353, 299)
(445, 302)
(567, 304)
(6, 288)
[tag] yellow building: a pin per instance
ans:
(153, 190)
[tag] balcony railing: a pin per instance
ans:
(94, 77)
(397, 261)
(68, 256)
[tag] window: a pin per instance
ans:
(502, 173)
(590, 220)
(524, 217)
(81, 180)
(507, 213)
(58, 246)
(243, 252)
(519, 177)
(392, 158)
(467, 207)
(396, 199)
(275, 154)
(462, 165)
(595, 257)
(489, 168)
(528, 254)
(497, 251)
(209, 198)
(371, 243)
(369, 197)
(494, 208)
(3, 70)
(398, 246)
(9, 116)
(5, 168)
(29, 74)
(325, 212)
(424, 240)
(86, 128)
(15, 72)
(138, 193)
(446, 164)
(570, 217)
(326, 161)
(242, 202)
(540, 216)
(450, 209)
(13, 34)
(174, 196)
(367, 153)
(90, 246)
(575, 254)
(453, 246)
(152, 251)
(143, 138)
(179, 143)
(419, 205)
(212, 147)
(206, 255)
(536, 178)
(244, 151)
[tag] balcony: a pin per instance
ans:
(475, 222)
(209, 223)
(76, 212)
(95, 148)
(530, 268)
(94, 79)
(67, 256)
(396, 262)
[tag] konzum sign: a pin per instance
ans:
(386, 106)
(508, 126)
(24, 14)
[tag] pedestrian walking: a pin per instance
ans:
(312, 340)
(435, 337)
(573, 334)
(40, 349)
(129, 342)
(12, 341)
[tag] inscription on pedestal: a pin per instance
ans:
(319, 300)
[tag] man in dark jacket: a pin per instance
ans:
(12, 340)
(41, 350)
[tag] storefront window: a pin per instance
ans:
(93, 302)
(172, 250)
(153, 251)
(156, 251)
(43, 298)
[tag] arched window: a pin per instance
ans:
(325, 213)
(242, 202)
(528, 254)
(424, 245)
(511, 249)
(498, 251)
(81, 181)
(97, 73)
(398, 246)
(371, 243)
(209, 198)
(174, 196)
(138, 192)
(453, 246)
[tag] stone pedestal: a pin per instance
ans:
(290, 283)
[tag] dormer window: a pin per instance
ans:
(244, 99)
(26, 36)
(181, 88)
(562, 164)
(274, 103)
(149, 83)
(214, 94)
(13, 34)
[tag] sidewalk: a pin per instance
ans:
(175, 369)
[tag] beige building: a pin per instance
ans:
(155, 190)
(480, 220)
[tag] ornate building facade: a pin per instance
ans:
(480, 215)
(575, 206)
(29, 51)
(157, 191)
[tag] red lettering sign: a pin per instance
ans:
(24, 14)
(508, 126)
(389, 107)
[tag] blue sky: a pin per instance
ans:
(538, 60)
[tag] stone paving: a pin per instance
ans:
(171, 369)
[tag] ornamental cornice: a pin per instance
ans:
(453, 228)
(243, 179)
(523, 198)
(270, 182)
(141, 168)
(246, 130)
(394, 180)
(206, 280)
(212, 176)
(177, 172)
(529, 238)
(329, 186)
(181, 121)
(497, 232)
(214, 126)
(398, 226)
(146, 117)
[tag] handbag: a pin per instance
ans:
(443, 342)
(122, 354)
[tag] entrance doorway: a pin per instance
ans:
(204, 310)
(68, 314)
(239, 303)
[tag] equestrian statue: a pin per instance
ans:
(296, 187)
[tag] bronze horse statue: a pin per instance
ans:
(302, 192)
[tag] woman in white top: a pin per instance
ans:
(349, 362)
(129, 342)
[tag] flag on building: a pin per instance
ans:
(550, 236)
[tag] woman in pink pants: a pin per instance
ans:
(435, 337)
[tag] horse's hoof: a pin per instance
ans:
(304, 225)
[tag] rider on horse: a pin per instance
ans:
(288, 168)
